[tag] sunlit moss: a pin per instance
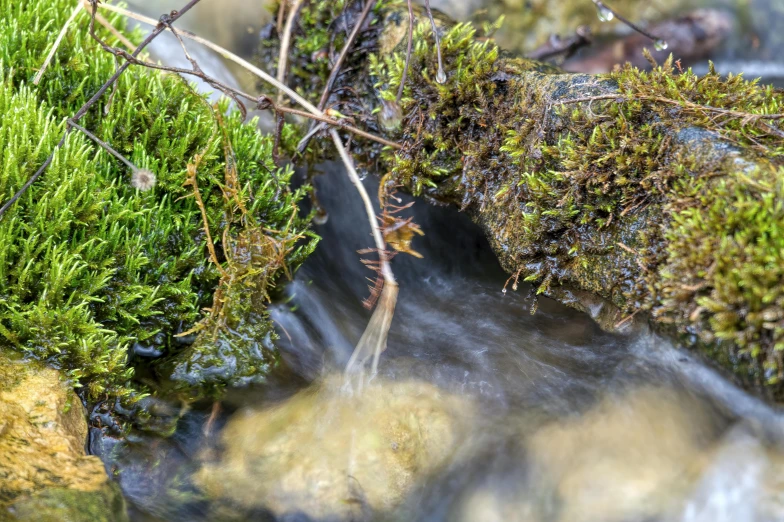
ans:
(91, 266)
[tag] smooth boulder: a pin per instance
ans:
(330, 455)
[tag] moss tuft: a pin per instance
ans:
(660, 191)
(90, 265)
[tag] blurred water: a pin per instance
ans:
(565, 422)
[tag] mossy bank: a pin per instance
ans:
(97, 276)
(657, 192)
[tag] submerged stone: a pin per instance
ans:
(334, 456)
(651, 454)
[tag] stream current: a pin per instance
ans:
(481, 411)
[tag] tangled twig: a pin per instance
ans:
(336, 70)
(266, 102)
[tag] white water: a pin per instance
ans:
(572, 424)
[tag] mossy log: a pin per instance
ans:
(659, 193)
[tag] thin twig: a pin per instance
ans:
(616, 97)
(374, 339)
(378, 238)
(234, 93)
(191, 181)
(159, 28)
(404, 76)
(344, 52)
(223, 52)
(339, 123)
(117, 34)
(281, 16)
(285, 41)
(626, 319)
(336, 70)
(315, 113)
(697, 107)
(103, 144)
(440, 75)
(601, 5)
(59, 39)
(745, 117)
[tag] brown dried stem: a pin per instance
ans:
(408, 53)
(285, 41)
(57, 41)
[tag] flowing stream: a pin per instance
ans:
(481, 411)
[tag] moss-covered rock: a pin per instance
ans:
(44, 472)
(90, 265)
(658, 192)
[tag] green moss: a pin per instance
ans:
(647, 189)
(320, 29)
(90, 265)
(722, 278)
(57, 504)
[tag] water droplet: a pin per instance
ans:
(660, 45)
(321, 217)
(503, 291)
(441, 76)
(390, 115)
(604, 13)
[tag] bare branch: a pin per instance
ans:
(285, 41)
(378, 238)
(315, 113)
(374, 339)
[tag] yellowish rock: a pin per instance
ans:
(331, 455)
(42, 443)
(627, 458)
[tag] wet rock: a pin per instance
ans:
(631, 457)
(44, 472)
(626, 459)
(744, 481)
(328, 455)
